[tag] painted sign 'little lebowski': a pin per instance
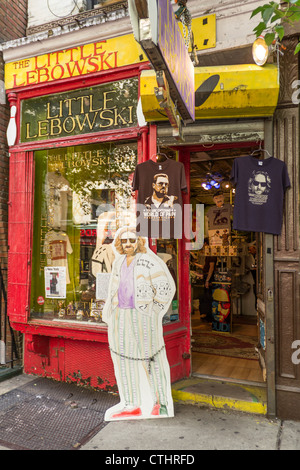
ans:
(73, 62)
(103, 107)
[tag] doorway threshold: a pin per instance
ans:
(229, 380)
(220, 393)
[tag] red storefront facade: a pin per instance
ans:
(237, 118)
(70, 350)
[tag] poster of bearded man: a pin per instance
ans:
(140, 291)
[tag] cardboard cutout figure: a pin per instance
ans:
(140, 291)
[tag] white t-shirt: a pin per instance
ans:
(57, 247)
(58, 192)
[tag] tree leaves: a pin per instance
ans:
(269, 38)
(297, 48)
(280, 31)
(267, 13)
(256, 11)
(260, 28)
(274, 18)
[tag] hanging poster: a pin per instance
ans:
(55, 282)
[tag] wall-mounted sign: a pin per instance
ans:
(161, 38)
(242, 90)
(177, 59)
(73, 62)
(103, 107)
(204, 29)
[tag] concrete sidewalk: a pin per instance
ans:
(195, 426)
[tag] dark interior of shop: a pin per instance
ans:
(229, 355)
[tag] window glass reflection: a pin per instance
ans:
(82, 196)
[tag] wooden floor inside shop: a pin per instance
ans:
(226, 366)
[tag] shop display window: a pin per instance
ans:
(82, 196)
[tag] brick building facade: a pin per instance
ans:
(13, 22)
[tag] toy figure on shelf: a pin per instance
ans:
(61, 311)
(70, 309)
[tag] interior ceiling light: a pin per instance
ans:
(260, 51)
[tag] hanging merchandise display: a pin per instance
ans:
(159, 209)
(219, 221)
(58, 193)
(260, 189)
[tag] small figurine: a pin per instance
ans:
(62, 311)
(79, 315)
(70, 309)
(95, 314)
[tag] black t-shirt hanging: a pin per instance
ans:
(159, 202)
(260, 188)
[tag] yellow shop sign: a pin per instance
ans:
(73, 62)
(226, 91)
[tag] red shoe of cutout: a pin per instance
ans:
(155, 410)
(128, 413)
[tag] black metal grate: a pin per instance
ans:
(48, 415)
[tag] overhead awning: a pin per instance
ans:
(232, 91)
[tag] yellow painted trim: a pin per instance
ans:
(241, 91)
(258, 405)
(220, 402)
(204, 31)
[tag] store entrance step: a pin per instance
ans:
(221, 394)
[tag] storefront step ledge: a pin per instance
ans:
(7, 373)
(219, 394)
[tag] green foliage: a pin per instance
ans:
(274, 18)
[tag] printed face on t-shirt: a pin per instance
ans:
(259, 184)
(161, 186)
